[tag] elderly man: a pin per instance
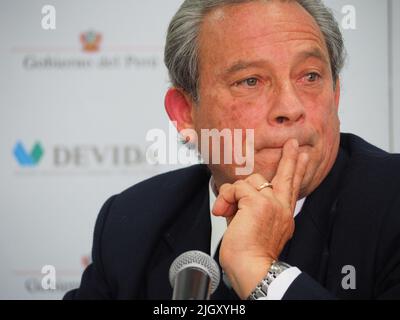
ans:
(319, 216)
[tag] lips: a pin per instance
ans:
(280, 146)
(306, 138)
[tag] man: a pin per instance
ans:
(319, 216)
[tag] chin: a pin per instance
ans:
(267, 170)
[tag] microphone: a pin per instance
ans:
(194, 275)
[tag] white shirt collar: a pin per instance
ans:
(218, 224)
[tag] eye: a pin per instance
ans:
(312, 77)
(250, 82)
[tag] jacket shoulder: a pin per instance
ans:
(367, 159)
(132, 223)
(164, 187)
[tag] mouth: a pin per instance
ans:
(302, 147)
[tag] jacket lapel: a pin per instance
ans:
(309, 247)
(191, 230)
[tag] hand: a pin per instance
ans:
(259, 222)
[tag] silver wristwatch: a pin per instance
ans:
(277, 267)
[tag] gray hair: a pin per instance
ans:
(181, 54)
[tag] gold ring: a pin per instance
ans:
(265, 185)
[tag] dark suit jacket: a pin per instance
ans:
(352, 219)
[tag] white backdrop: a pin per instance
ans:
(88, 113)
(395, 67)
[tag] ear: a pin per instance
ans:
(337, 94)
(179, 108)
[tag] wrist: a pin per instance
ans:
(245, 276)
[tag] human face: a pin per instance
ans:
(265, 66)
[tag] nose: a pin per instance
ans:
(287, 109)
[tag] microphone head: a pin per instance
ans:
(198, 260)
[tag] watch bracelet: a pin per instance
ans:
(261, 289)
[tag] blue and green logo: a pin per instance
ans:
(26, 159)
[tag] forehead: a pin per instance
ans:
(264, 27)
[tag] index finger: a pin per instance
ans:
(283, 180)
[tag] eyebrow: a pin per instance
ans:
(304, 55)
(313, 53)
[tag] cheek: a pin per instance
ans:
(326, 125)
(323, 115)
(323, 119)
(245, 114)
(239, 115)
(221, 113)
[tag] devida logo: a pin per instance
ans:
(26, 159)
